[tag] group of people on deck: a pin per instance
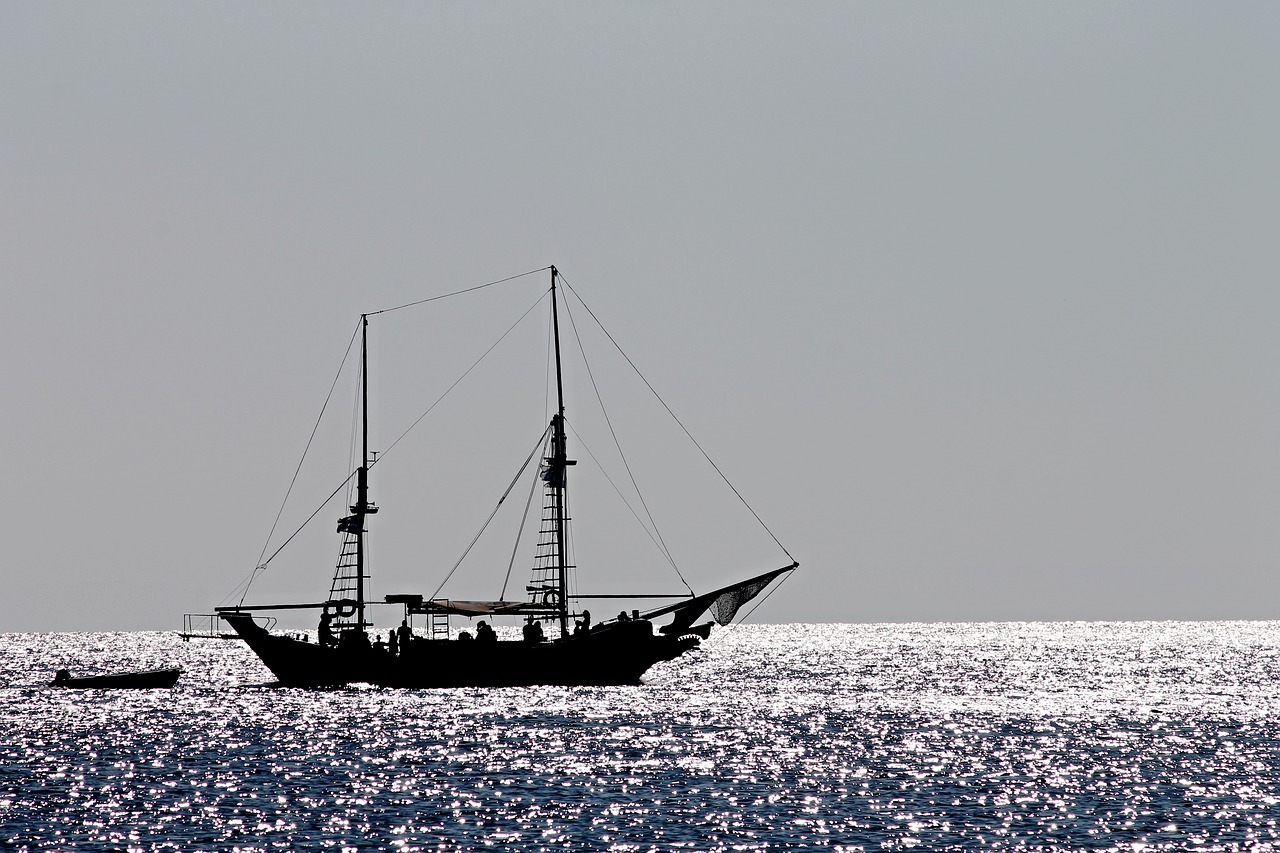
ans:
(402, 639)
(398, 642)
(533, 631)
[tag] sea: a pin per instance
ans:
(993, 736)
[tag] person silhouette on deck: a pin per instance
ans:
(324, 634)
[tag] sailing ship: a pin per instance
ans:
(615, 651)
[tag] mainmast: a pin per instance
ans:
(559, 464)
(362, 506)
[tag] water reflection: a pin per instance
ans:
(1045, 736)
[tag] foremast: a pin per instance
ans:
(353, 525)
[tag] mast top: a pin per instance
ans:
(555, 329)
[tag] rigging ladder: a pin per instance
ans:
(544, 588)
(346, 582)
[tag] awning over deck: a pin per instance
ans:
(417, 604)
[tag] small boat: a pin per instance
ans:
(581, 652)
(147, 679)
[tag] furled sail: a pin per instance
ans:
(723, 603)
(726, 606)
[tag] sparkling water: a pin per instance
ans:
(1036, 736)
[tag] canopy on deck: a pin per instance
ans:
(417, 604)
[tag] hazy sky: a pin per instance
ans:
(976, 304)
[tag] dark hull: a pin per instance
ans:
(151, 679)
(614, 655)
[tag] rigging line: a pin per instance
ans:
(570, 552)
(383, 454)
(458, 292)
(369, 561)
(483, 527)
(332, 495)
(248, 580)
(310, 439)
(524, 519)
(623, 497)
(355, 436)
(680, 423)
(618, 445)
(546, 391)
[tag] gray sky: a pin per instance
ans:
(976, 303)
